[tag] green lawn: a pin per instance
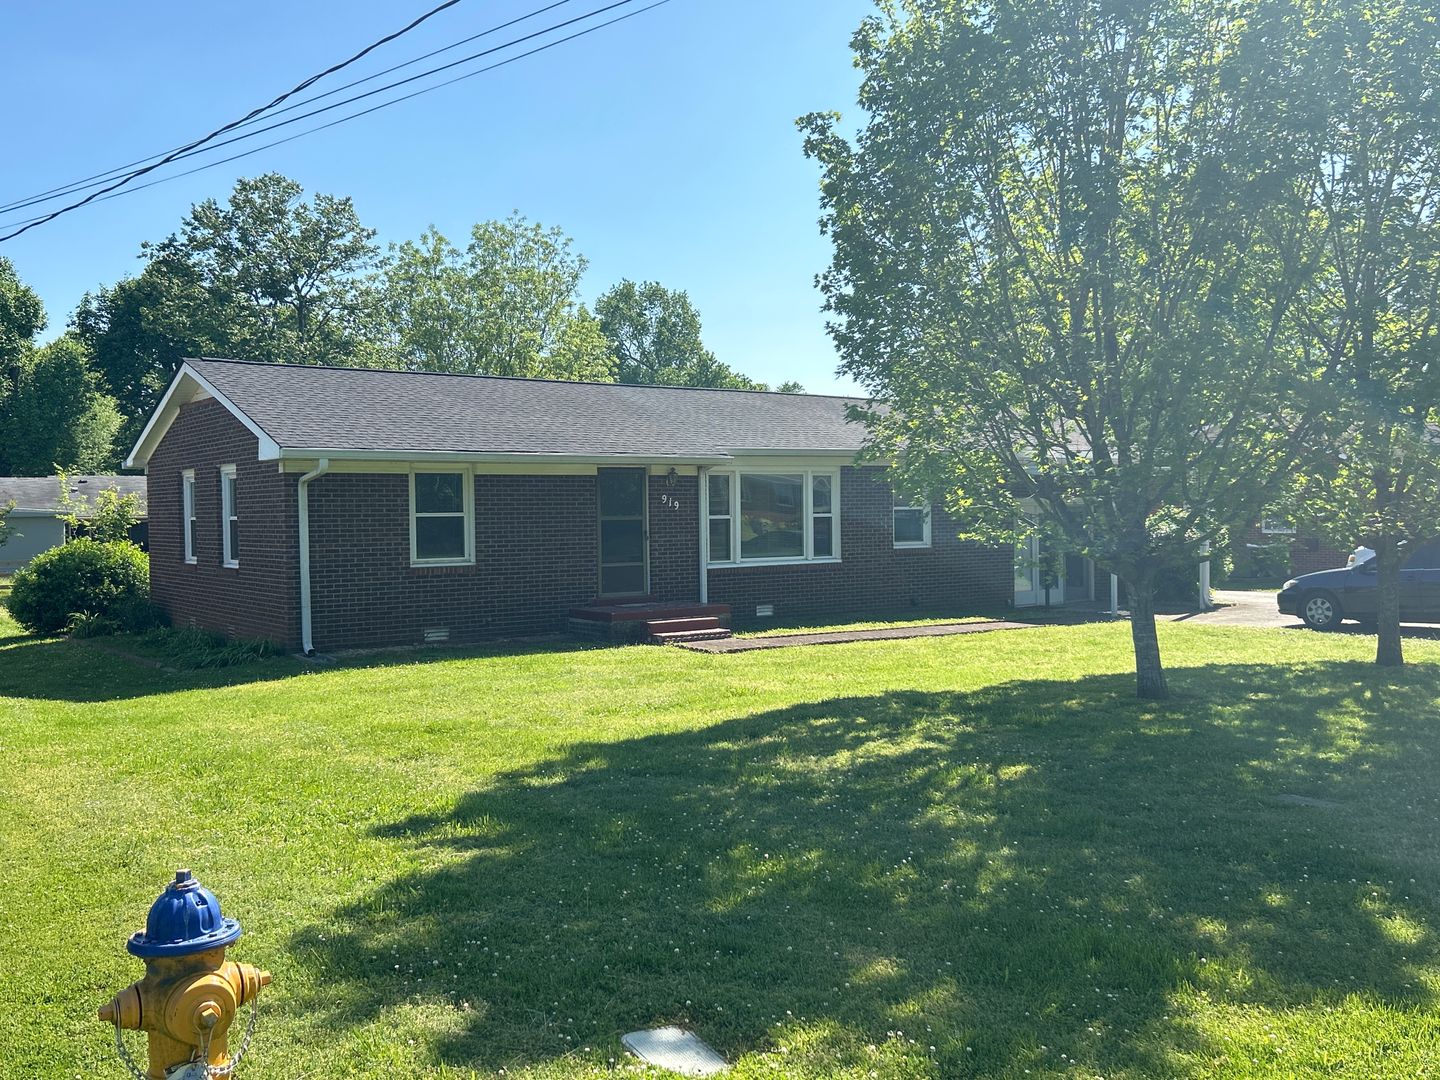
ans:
(945, 857)
(762, 628)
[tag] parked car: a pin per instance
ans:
(1326, 598)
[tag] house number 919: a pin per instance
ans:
(669, 502)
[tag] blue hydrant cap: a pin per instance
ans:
(185, 919)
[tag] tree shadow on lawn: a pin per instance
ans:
(104, 669)
(1036, 864)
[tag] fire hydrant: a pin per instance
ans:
(190, 993)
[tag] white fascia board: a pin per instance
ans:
(752, 452)
(183, 388)
(310, 453)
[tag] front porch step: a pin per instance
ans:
(675, 625)
(677, 637)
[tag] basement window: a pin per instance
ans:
(442, 518)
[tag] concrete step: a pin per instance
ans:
(684, 622)
(675, 637)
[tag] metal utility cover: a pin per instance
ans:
(675, 1049)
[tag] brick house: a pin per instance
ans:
(340, 508)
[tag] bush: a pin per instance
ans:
(192, 648)
(96, 583)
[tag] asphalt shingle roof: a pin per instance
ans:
(43, 492)
(356, 409)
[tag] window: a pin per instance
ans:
(187, 501)
(911, 526)
(773, 516)
(442, 514)
(1425, 557)
(1274, 525)
(720, 550)
(229, 517)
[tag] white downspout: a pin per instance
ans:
(703, 508)
(307, 646)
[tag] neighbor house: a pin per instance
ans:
(340, 508)
(37, 520)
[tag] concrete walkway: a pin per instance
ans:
(837, 637)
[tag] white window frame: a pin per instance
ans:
(467, 475)
(808, 483)
(1280, 527)
(188, 521)
(228, 512)
(924, 508)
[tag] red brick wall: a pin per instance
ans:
(535, 558)
(873, 575)
(535, 545)
(1306, 553)
(260, 598)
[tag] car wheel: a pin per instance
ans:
(1321, 611)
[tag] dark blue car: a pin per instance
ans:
(1326, 598)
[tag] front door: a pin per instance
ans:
(624, 543)
(1028, 588)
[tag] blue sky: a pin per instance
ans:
(664, 145)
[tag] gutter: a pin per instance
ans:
(307, 645)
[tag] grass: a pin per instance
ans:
(947, 857)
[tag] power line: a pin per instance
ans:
(236, 123)
(374, 108)
(94, 180)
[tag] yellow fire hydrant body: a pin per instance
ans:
(190, 994)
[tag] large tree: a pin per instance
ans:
(57, 414)
(1373, 313)
(53, 408)
(508, 304)
(655, 335)
(139, 329)
(1064, 257)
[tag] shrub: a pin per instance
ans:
(189, 647)
(101, 582)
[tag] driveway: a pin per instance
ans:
(1236, 608)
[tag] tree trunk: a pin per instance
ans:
(1149, 674)
(1389, 652)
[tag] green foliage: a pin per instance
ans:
(193, 649)
(7, 531)
(22, 316)
(1371, 316)
(139, 329)
(655, 335)
(1063, 246)
(82, 578)
(109, 516)
(57, 414)
(506, 305)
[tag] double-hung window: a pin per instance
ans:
(1276, 525)
(229, 517)
(911, 525)
(187, 509)
(442, 518)
(773, 515)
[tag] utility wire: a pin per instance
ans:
(236, 123)
(95, 180)
(189, 152)
(374, 108)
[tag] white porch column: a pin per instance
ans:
(1114, 595)
(702, 507)
(1206, 600)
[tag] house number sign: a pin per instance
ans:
(669, 502)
